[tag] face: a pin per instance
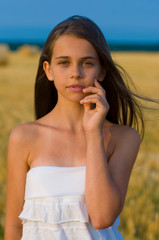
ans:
(74, 65)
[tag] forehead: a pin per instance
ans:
(72, 46)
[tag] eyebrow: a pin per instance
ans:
(66, 57)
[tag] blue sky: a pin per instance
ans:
(120, 20)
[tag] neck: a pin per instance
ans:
(68, 115)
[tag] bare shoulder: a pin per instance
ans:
(122, 134)
(23, 132)
(122, 140)
(126, 142)
(21, 137)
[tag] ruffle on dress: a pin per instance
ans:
(55, 210)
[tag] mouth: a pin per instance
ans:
(76, 87)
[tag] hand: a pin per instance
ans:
(93, 119)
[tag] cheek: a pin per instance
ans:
(60, 78)
(60, 71)
(94, 73)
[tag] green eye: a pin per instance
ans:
(88, 64)
(64, 63)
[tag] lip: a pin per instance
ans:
(76, 87)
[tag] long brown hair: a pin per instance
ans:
(124, 107)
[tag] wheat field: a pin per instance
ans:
(140, 217)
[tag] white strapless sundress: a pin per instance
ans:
(55, 207)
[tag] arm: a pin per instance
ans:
(107, 182)
(16, 173)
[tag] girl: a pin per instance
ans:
(73, 163)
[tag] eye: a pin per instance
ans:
(64, 63)
(88, 64)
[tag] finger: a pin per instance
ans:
(87, 106)
(98, 103)
(102, 96)
(92, 89)
(94, 99)
(96, 83)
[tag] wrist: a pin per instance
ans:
(98, 133)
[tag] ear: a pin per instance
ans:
(102, 74)
(48, 71)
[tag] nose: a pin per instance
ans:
(76, 71)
